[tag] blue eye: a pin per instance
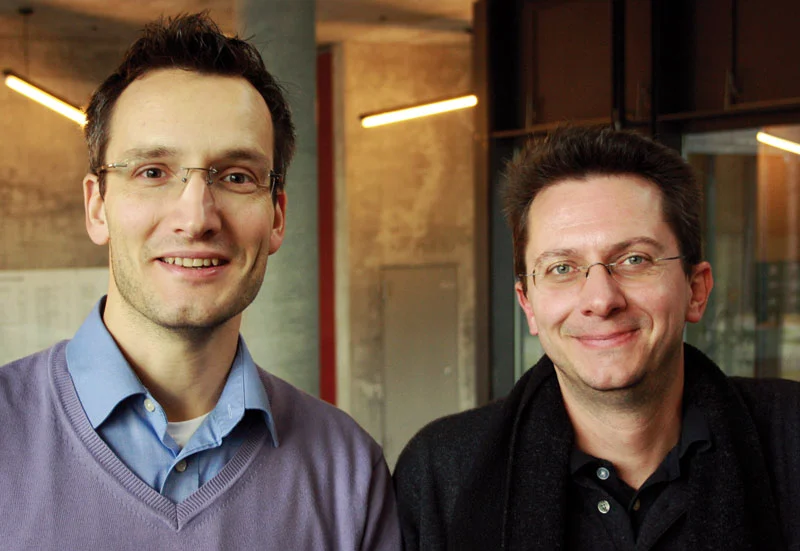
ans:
(638, 260)
(560, 269)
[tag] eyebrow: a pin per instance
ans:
(162, 152)
(157, 152)
(616, 248)
(243, 154)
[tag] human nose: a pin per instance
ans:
(601, 294)
(196, 212)
(209, 173)
(590, 266)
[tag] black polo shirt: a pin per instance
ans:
(605, 513)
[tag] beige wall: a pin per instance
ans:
(405, 192)
(43, 157)
(405, 198)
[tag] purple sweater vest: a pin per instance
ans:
(325, 487)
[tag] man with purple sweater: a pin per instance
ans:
(153, 428)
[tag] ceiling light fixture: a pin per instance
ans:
(45, 98)
(424, 110)
(780, 143)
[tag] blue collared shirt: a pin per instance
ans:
(133, 424)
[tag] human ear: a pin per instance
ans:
(278, 222)
(525, 304)
(95, 210)
(700, 283)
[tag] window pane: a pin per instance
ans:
(752, 238)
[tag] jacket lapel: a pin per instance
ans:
(515, 496)
(732, 505)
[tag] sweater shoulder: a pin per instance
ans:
(13, 368)
(301, 417)
(27, 377)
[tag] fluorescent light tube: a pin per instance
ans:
(780, 143)
(48, 100)
(425, 110)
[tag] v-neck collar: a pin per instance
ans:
(175, 515)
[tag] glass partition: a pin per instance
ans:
(751, 180)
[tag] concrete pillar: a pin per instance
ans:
(282, 326)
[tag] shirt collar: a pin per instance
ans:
(694, 432)
(99, 371)
(244, 391)
(103, 378)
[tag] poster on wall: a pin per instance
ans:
(41, 307)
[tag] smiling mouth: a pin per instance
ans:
(611, 339)
(608, 337)
(193, 262)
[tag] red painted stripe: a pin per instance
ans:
(325, 166)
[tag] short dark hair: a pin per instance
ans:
(581, 152)
(195, 43)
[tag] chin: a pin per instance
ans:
(191, 317)
(613, 379)
(615, 386)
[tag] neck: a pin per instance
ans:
(634, 438)
(185, 370)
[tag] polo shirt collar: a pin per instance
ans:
(694, 434)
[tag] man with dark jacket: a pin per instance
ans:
(622, 436)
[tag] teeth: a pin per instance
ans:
(192, 262)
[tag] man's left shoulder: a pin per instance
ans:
(774, 405)
(769, 394)
(301, 418)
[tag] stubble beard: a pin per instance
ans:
(646, 389)
(189, 321)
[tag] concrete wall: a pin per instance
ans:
(404, 194)
(42, 154)
(43, 159)
(405, 198)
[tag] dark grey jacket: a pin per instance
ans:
(465, 481)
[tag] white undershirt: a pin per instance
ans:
(182, 431)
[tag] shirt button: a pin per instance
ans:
(602, 473)
(636, 505)
(181, 466)
(603, 506)
(149, 405)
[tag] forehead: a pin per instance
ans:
(190, 112)
(596, 213)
